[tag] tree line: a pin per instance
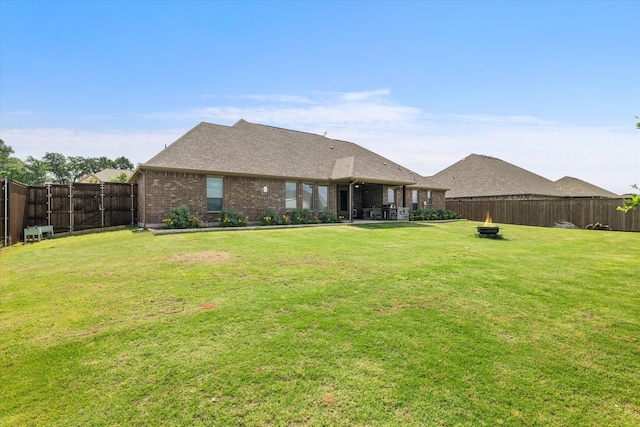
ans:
(55, 168)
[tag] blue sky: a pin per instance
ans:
(550, 86)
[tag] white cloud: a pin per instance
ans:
(426, 143)
(487, 119)
(301, 113)
(364, 95)
(138, 147)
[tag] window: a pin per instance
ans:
(323, 198)
(414, 200)
(291, 190)
(215, 194)
(307, 196)
(391, 196)
(429, 201)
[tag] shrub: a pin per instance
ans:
(180, 217)
(232, 218)
(328, 217)
(301, 216)
(270, 216)
(432, 214)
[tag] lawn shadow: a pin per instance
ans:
(389, 225)
(497, 237)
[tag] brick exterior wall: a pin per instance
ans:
(437, 199)
(159, 192)
(162, 191)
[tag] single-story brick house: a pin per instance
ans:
(252, 167)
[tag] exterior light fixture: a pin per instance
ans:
(265, 189)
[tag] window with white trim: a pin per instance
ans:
(215, 193)
(391, 196)
(307, 196)
(291, 195)
(323, 198)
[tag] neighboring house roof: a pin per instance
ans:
(485, 176)
(105, 175)
(248, 149)
(575, 187)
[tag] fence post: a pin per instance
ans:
(102, 204)
(5, 187)
(70, 208)
(133, 209)
(49, 203)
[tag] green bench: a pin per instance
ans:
(33, 234)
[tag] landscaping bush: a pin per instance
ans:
(181, 217)
(285, 219)
(232, 218)
(328, 217)
(432, 214)
(270, 216)
(301, 216)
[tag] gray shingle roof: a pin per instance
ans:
(250, 149)
(105, 175)
(575, 187)
(484, 176)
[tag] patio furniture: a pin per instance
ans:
(37, 233)
(32, 234)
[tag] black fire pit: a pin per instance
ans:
(488, 231)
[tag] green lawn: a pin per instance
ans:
(381, 325)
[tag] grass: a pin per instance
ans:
(381, 325)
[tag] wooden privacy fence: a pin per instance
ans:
(545, 213)
(67, 208)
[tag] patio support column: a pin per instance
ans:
(350, 207)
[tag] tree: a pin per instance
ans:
(632, 203)
(58, 168)
(11, 167)
(37, 171)
(5, 153)
(15, 169)
(122, 163)
(81, 166)
(55, 167)
(121, 177)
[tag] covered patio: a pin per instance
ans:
(372, 201)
